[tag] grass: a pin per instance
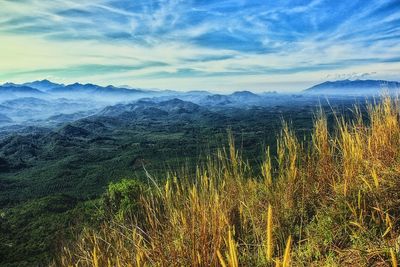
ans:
(328, 200)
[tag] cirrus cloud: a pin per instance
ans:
(217, 45)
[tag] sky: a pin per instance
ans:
(216, 45)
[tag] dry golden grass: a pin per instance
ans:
(334, 201)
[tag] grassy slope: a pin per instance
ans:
(81, 170)
(330, 201)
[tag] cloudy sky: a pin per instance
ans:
(219, 45)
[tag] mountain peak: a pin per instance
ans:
(245, 96)
(43, 85)
(244, 93)
(9, 84)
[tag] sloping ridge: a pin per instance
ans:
(354, 87)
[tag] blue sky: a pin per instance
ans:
(220, 45)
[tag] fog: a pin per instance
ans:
(47, 104)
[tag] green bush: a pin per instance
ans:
(123, 198)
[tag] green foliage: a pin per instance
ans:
(53, 179)
(31, 232)
(123, 197)
(328, 228)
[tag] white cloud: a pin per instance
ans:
(274, 50)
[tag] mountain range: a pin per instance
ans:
(355, 87)
(46, 88)
(47, 103)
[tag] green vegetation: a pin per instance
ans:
(328, 200)
(73, 165)
(30, 232)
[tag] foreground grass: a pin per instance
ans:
(330, 201)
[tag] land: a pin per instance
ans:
(59, 151)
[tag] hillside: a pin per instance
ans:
(64, 152)
(330, 201)
(81, 154)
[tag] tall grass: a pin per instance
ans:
(331, 201)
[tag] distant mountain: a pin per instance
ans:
(11, 85)
(43, 85)
(20, 90)
(12, 91)
(178, 105)
(94, 89)
(4, 119)
(217, 99)
(356, 87)
(147, 108)
(244, 96)
(57, 103)
(26, 102)
(46, 88)
(240, 98)
(5, 109)
(34, 110)
(237, 98)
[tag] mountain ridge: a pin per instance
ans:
(354, 87)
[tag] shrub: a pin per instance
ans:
(122, 198)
